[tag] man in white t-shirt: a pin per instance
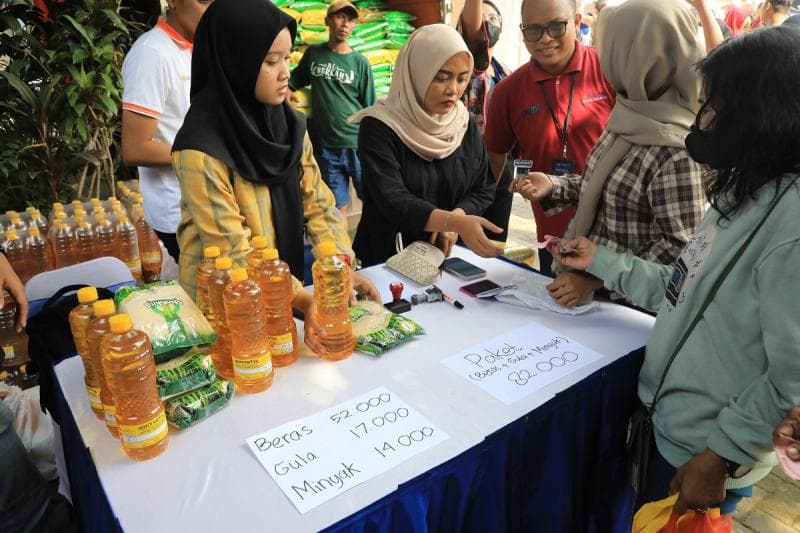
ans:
(157, 77)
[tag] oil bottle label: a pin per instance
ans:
(8, 352)
(252, 368)
(149, 258)
(144, 435)
(111, 415)
(94, 398)
(281, 344)
(135, 266)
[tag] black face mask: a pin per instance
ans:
(493, 31)
(704, 147)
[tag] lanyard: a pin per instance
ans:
(563, 131)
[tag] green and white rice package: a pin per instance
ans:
(187, 409)
(164, 312)
(185, 373)
(377, 329)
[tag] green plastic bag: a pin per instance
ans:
(166, 314)
(372, 45)
(185, 373)
(382, 68)
(303, 5)
(378, 329)
(394, 16)
(371, 4)
(187, 409)
(400, 26)
(370, 29)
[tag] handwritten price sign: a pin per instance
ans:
(319, 457)
(521, 362)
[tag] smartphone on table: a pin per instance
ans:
(462, 269)
(479, 287)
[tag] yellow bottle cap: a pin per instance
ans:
(12, 214)
(210, 252)
(31, 209)
(3, 375)
(58, 206)
(15, 219)
(94, 200)
(104, 308)
(327, 248)
(259, 242)
(120, 323)
(11, 234)
(87, 295)
(76, 202)
(59, 215)
(33, 232)
(238, 274)
(223, 263)
(79, 211)
(80, 219)
(270, 254)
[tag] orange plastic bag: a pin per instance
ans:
(657, 517)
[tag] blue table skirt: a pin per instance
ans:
(561, 468)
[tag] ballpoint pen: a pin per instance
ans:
(449, 299)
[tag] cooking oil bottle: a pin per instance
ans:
(204, 269)
(63, 246)
(128, 246)
(14, 248)
(149, 249)
(131, 374)
(275, 280)
(332, 295)
(79, 319)
(104, 237)
(221, 349)
(254, 257)
(98, 328)
(36, 252)
(13, 343)
(83, 237)
(252, 364)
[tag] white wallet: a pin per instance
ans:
(419, 261)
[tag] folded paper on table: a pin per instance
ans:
(531, 291)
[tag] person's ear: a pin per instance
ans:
(578, 18)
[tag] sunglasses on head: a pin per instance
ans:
(534, 32)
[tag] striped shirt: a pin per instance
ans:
(220, 208)
(651, 203)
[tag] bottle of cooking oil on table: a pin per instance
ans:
(252, 364)
(83, 238)
(36, 252)
(254, 257)
(79, 319)
(14, 248)
(204, 269)
(149, 249)
(332, 295)
(221, 349)
(129, 246)
(97, 329)
(104, 236)
(275, 280)
(14, 344)
(63, 246)
(131, 374)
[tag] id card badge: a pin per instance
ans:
(563, 167)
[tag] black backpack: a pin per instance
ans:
(50, 340)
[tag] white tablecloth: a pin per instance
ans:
(208, 480)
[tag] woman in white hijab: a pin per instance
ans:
(425, 171)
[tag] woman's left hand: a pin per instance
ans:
(365, 287)
(444, 240)
(304, 301)
(700, 483)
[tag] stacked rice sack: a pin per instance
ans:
(379, 35)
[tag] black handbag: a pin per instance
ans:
(640, 425)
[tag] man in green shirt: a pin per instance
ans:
(341, 84)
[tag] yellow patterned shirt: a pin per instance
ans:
(220, 208)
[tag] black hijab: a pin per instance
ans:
(262, 143)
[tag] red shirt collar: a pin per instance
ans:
(575, 64)
(176, 37)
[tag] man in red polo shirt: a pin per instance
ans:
(555, 107)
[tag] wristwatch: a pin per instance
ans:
(735, 470)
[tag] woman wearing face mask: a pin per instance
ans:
(243, 158)
(640, 191)
(481, 25)
(426, 174)
(735, 288)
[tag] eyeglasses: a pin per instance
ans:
(534, 32)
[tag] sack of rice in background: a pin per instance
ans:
(377, 329)
(166, 314)
(372, 45)
(187, 409)
(381, 56)
(185, 373)
(313, 37)
(307, 5)
(296, 15)
(370, 29)
(315, 16)
(395, 16)
(399, 26)
(371, 4)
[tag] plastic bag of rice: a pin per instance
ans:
(378, 329)
(164, 312)
(185, 373)
(187, 409)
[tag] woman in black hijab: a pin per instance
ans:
(243, 158)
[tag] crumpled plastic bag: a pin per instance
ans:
(33, 426)
(532, 292)
(657, 517)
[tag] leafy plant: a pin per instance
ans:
(60, 98)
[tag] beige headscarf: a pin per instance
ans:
(429, 136)
(648, 50)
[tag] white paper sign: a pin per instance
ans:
(319, 457)
(520, 362)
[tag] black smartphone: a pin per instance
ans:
(462, 269)
(475, 289)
